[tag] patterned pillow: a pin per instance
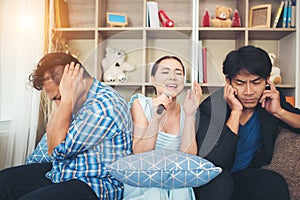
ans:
(164, 169)
(40, 154)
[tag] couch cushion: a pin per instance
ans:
(286, 160)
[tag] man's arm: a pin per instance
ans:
(270, 100)
(60, 119)
(58, 125)
(213, 134)
(233, 121)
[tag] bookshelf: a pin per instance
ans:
(89, 34)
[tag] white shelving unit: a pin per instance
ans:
(89, 33)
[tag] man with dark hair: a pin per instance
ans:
(89, 128)
(238, 127)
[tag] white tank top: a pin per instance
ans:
(164, 140)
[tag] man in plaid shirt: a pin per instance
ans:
(89, 128)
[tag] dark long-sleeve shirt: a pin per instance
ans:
(217, 143)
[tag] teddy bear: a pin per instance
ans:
(222, 17)
(114, 65)
(275, 76)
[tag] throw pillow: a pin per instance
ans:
(40, 153)
(164, 169)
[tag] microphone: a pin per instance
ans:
(161, 107)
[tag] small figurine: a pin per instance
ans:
(236, 21)
(206, 19)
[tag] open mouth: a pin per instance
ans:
(171, 85)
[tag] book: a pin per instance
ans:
(293, 14)
(289, 15)
(280, 22)
(204, 55)
(285, 14)
(200, 63)
(278, 14)
(152, 14)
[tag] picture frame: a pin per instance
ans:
(116, 19)
(260, 16)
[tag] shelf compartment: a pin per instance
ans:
(75, 33)
(121, 33)
(77, 18)
(180, 11)
(133, 9)
(269, 34)
(210, 5)
(220, 33)
(169, 33)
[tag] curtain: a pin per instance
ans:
(45, 105)
(21, 46)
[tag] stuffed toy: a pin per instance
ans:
(275, 76)
(222, 18)
(114, 65)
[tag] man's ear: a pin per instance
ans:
(228, 80)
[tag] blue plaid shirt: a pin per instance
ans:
(99, 134)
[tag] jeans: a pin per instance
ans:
(28, 182)
(248, 184)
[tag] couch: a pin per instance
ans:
(286, 160)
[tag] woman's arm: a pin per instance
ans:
(188, 143)
(144, 132)
(191, 103)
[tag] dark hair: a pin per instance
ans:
(155, 66)
(51, 66)
(248, 58)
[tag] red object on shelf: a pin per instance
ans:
(166, 22)
(206, 19)
(236, 21)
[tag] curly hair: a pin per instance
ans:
(51, 67)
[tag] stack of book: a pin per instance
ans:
(286, 15)
(152, 14)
